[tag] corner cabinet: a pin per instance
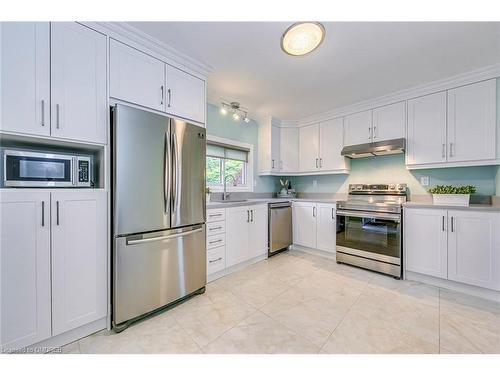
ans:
(458, 245)
(141, 79)
(53, 263)
(54, 80)
(314, 225)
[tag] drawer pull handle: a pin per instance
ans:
(211, 242)
(215, 228)
(215, 260)
(214, 215)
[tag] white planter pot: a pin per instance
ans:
(451, 199)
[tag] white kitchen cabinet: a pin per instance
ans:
(358, 128)
(474, 248)
(389, 122)
(185, 95)
(426, 241)
(276, 162)
(136, 77)
(246, 233)
(326, 227)
(331, 141)
(304, 223)
(426, 141)
(289, 149)
(472, 122)
(237, 234)
(258, 231)
(79, 259)
(25, 316)
(309, 148)
(25, 77)
(78, 83)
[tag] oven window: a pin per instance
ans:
(377, 236)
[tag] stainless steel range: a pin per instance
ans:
(369, 227)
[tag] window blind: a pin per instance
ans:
(224, 151)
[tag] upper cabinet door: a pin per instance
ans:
(426, 140)
(136, 77)
(25, 77)
(474, 248)
(358, 128)
(309, 148)
(289, 149)
(185, 95)
(389, 122)
(79, 259)
(472, 122)
(78, 83)
(331, 141)
(24, 268)
(276, 162)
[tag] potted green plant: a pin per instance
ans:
(452, 195)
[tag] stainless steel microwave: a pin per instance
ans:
(36, 169)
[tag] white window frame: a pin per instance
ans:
(229, 186)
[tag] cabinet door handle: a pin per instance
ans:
(215, 228)
(215, 260)
(214, 215)
(451, 149)
(211, 242)
(43, 112)
(314, 211)
(43, 213)
(169, 93)
(251, 213)
(369, 132)
(57, 213)
(452, 226)
(321, 162)
(161, 89)
(248, 216)
(57, 116)
(316, 162)
(443, 225)
(272, 163)
(375, 132)
(443, 151)
(333, 213)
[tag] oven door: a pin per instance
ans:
(372, 235)
(34, 169)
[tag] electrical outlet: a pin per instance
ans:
(424, 180)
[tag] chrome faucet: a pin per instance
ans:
(225, 195)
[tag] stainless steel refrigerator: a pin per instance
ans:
(159, 253)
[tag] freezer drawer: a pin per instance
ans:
(154, 269)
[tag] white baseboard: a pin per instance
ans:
(454, 286)
(65, 338)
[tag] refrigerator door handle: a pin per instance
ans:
(167, 173)
(175, 172)
(161, 238)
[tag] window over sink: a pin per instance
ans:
(228, 158)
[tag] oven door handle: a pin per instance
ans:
(370, 215)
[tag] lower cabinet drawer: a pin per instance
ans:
(216, 214)
(216, 259)
(216, 241)
(217, 227)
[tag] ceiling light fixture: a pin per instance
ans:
(302, 38)
(236, 110)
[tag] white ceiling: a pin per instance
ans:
(357, 61)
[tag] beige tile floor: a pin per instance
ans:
(296, 302)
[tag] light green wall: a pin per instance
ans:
(391, 168)
(225, 127)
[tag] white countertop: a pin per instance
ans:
(249, 202)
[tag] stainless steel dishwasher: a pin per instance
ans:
(280, 227)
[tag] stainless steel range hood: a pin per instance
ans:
(390, 147)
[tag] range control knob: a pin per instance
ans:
(392, 187)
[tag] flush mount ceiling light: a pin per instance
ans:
(234, 108)
(302, 38)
